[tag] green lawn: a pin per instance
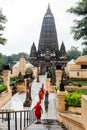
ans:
(76, 82)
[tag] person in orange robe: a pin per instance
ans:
(41, 95)
(38, 111)
(42, 89)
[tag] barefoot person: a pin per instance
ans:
(38, 111)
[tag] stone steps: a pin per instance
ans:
(47, 124)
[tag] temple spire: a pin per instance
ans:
(48, 5)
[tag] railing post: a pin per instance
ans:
(20, 120)
(24, 120)
(15, 121)
(27, 118)
(8, 121)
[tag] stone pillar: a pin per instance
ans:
(48, 83)
(25, 82)
(6, 78)
(61, 100)
(28, 100)
(58, 76)
(84, 111)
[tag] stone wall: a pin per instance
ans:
(4, 98)
(84, 110)
(73, 121)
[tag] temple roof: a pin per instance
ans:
(71, 62)
(82, 60)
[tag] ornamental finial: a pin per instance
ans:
(48, 5)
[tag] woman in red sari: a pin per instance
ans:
(38, 111)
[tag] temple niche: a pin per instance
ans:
(48, 53)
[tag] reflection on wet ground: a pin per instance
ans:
(47, 124)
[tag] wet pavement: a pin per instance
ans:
(49, 120)
(47, 124)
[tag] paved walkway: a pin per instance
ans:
(49, 119)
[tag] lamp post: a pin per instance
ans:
(28, 100)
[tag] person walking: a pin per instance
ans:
(38, 111)
(47, 94)
(41, 95)
(42, 88)
(46, 104)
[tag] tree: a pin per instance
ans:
(73, 53)
(80, 28)
(2, 22)
(2, 62)
(84, 51)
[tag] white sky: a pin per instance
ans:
(25, 20)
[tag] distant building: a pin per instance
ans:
(21, 66)
(77, 68)
(48, 53)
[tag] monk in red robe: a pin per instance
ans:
(42, 90)
(38, 111)
(41, 95)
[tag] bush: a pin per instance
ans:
(57, 88)
(74, 98)
(13, 80)
(52, 75)
(2, 88)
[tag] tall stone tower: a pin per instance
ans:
(48, 53)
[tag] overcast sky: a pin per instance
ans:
(25, 20)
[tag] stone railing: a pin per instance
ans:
(73, 88)
(84, 110)
(49, 87)
(72, 121)
(4, 98)
(16, 119)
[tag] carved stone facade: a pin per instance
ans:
(48, 53)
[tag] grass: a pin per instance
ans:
(77, 82)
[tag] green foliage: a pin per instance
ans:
(80, 28)
(73, 53)
(74, 98)
(2, 62)
(57, 88)
(13, 80)
(2, 88)
(76, 82)
(2, 21)
(84, 51)
(53, 75)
